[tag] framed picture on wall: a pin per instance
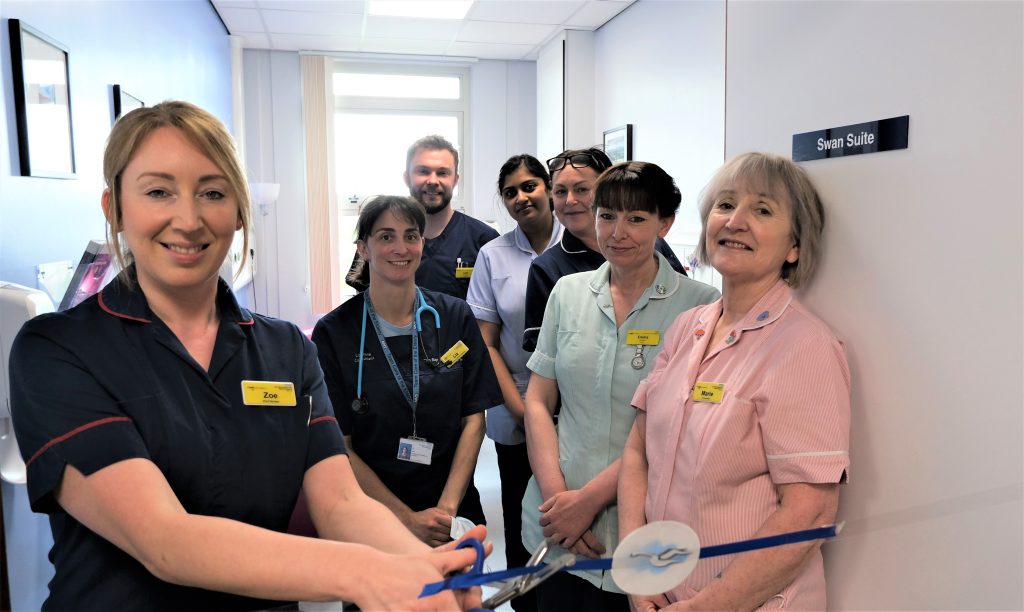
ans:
(124, 102)
(42, 102)
(618, 143)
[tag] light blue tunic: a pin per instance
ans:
(580, 347)
(497, 294)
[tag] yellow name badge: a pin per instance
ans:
(463, 272)
(643, 337)
(708, 392)
(454, 354)
(265, 393)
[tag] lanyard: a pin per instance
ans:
(413, 398)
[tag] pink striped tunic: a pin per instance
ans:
(784, 418)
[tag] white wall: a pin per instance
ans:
(503, 116)
(46, 220)
(275, 153)
(922, 277)
(672, 89)
(501, 123)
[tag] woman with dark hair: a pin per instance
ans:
(410, 378)
(168, 431)
(496, 294)
(742, 427)
(600, 335)
(573, 173)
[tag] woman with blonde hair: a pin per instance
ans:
(168, 431)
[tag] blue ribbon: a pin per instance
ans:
(476, 577)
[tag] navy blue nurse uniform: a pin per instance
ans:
(446, 395)
(108, 381)
(456, 246)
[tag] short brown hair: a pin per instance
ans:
(202, 129)
(778, 176)
(433, 142)
(637, 185)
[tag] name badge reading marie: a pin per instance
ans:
(267, 393)
(708, 392)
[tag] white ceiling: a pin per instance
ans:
(492, 29)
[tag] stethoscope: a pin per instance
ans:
(360, 405)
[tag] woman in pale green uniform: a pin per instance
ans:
(601, 332)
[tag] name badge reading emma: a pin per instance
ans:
(643, 337)
(708, 392)
(454, 354)
(267, 393)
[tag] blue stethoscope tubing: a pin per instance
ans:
(418, 314)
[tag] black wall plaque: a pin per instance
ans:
(870, 137)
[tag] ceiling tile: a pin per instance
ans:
(523, 11)
(595, 14)
(316, 24)
(490, 51)
(505, 33)
(404, 46)
(411, 27)
(241, 19)
(254, 40)
(299, 42)
(349, 7)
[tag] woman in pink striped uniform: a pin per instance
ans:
(742, 427)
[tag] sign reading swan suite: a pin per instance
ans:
(871, 137)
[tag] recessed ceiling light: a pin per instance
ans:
(430, 9)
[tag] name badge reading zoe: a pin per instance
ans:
(708, 392)
(454, 354)
(416, 450)
(266, 393)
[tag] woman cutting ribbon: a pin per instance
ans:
(409, 376)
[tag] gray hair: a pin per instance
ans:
(780, 177)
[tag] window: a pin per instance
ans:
(380, 109)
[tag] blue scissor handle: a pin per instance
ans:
(478, 565)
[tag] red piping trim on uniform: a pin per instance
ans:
(74, 432)
(323, 418)
(103, 305)
(249, 322)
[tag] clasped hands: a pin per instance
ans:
(566, 518)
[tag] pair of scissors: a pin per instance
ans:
(516, 581)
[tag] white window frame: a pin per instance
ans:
(427, 106)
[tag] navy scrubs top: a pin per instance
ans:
(569, 257)
(461, 239)
(446, 395)
(108, 381)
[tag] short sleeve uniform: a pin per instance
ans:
(589, 357)
(497, 294)
(456, 247)
(784, 417)
(108, 381)
(570, 257)
(447, 395)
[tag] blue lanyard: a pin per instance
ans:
(413, 398)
